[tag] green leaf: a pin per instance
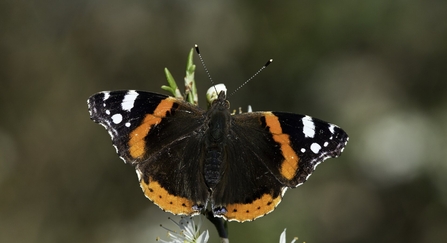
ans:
(190, 84)
(173, 88)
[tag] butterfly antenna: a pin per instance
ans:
(254, 75)
(204, 66)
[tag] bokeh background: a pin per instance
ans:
(377, 68)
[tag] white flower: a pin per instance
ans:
(282, 238)
(213, 92)
(189, 232)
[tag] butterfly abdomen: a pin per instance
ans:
(212, 168)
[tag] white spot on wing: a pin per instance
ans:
(111, 135)
(346, 142)
(106, 95)
(89, 108)
(315, 147)
(325, 144)
(308, 127)
(127, 124)
(307, 177)
(303, 150)
(123, 159)
(315, 167)
(139, 174)
(331, 128)
(107, 112)
(116, 150)
(129, 100)
(299, 184)
(104, 125)
(117, 118)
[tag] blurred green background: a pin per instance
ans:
(376, 68)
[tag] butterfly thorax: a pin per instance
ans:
(218, 121)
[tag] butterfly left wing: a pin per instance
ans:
(279, 150)
(160, 136)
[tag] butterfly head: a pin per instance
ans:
(216, 97)
(221, 102)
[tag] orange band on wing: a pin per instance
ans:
(250, 211)
(137, 144)
(168, 202)
(290, 164)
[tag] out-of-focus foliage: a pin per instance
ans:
(376, 68)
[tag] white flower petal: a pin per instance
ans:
(282, 238)
(203, 238)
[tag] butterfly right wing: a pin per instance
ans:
(268, 152)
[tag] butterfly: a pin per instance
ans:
(188, 159)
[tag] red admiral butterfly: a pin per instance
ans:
(187, 158)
